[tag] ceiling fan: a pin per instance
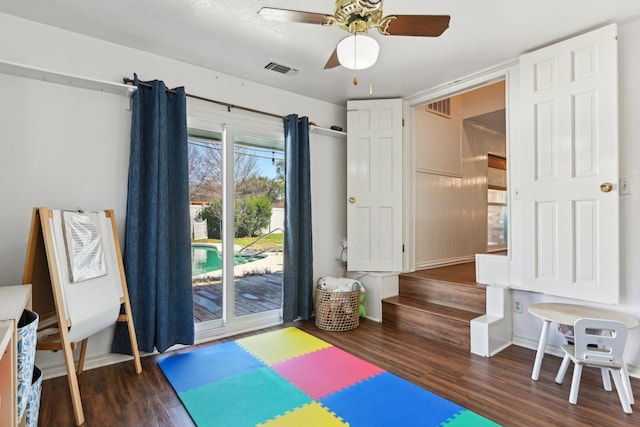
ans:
(357, 17)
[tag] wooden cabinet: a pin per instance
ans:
(13, 300)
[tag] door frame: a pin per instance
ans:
(507, 72)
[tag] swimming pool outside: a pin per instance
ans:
(207, 258)
(206, 261)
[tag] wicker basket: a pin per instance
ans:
(337, 311)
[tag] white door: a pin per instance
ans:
(374, 185)
(570, 168)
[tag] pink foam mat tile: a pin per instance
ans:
(325, 371)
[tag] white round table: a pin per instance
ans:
(567, 314)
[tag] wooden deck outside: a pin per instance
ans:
(253, 294)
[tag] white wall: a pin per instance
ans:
(437, 141)
(526, 327)
(329, 203)
(64, 147)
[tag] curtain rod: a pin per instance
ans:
(201, 98)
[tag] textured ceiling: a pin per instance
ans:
(230, 37)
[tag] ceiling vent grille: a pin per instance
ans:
(282, 69)
(441, 108)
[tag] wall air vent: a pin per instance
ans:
(441, 108)
(282, 69)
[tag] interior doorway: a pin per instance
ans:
(461, 203)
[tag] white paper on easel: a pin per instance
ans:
(95, 305)
(84, 245)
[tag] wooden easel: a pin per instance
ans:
(41, 271)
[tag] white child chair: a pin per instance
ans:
(599, 343)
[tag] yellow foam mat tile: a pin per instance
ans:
(311, 415)
(283, 344)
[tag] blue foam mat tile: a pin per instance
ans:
(388, 401)
(194, 369)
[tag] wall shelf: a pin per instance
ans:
(41, 74)
(327, 132)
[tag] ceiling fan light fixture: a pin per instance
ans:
(370, 5)
(358, 51)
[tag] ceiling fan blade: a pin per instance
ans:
(333, 61)
(285, 15)
(415, 25)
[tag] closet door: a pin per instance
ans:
(570, 168)
(374, 185)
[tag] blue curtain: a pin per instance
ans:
(297, 278)
(157, 252)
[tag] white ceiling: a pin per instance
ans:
(230, 37)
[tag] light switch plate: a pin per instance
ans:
(625, 186)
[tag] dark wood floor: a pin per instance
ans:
(464, 274)
(499, 388)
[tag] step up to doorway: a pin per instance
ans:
(431, 305)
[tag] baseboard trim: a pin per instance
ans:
(101, 360)
(59, 370)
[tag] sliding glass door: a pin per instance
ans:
(205, 190)
(258, 224)
(237, 201)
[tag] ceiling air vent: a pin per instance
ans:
(282, 69)
(441, 108)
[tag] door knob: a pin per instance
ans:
(352, 199)
(605, 187)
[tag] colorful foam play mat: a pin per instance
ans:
(290, 378)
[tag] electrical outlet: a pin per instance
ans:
(517, 305)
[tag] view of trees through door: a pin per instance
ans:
(231, 168)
